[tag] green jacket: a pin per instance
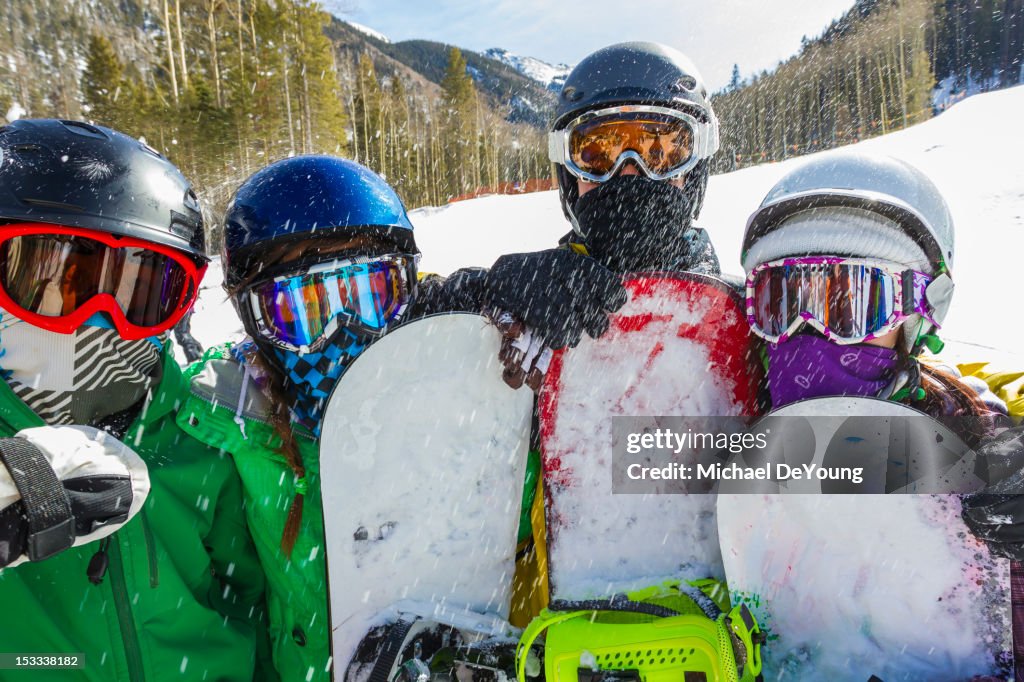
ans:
(296, 586)
(182, 598)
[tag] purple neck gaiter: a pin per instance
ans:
(810, 366)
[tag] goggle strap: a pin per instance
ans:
(909, 302)
(556, 146)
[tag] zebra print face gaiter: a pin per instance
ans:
(76, 378)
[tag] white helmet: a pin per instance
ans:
(859, 205)
(882, 185)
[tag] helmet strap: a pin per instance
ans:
(573, 221)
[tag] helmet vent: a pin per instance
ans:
(53, 205)
(146, 148)
(572, 94)
(191, 200)
(684, 84)
(84, 129)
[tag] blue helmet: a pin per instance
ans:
(309, 197)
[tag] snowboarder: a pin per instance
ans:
(101, 252)
(319, 261)
(632, 139)
(849, 263)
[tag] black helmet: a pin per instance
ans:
(636, 73)
(80, 175)
(309, 197)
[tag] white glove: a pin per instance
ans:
(524, 356)
(81, 484)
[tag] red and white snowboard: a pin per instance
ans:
(680, 346)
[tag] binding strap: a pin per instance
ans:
(392, 648)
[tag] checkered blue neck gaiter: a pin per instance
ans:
(310, 377)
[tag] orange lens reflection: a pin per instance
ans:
(663, 142)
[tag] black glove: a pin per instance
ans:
(996, 514)
(557, 293)
(63, 486)
(460, 292)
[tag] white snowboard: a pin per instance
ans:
(422, 459)
(678, 347)
(849, 586)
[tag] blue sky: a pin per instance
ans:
(755, 34)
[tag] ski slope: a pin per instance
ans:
(974, 152)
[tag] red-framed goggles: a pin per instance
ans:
(665, 143)
(848, 300)
(57, 277)
(301, 311)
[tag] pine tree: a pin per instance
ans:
(318, 90)
(102, 82)
(735, 81)
(368, 111)
(460, 133)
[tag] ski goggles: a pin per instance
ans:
(301, 311)
(57, 277)
(847, 300)
(665, 143)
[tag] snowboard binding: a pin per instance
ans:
(677, 632)
(420, 645)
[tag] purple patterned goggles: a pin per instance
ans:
(848, 300)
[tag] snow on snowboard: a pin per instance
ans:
(423, 454)
(849, 586)
(678, 347)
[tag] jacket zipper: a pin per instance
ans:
(154, 569)
(125, 619)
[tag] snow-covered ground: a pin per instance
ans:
(973, 152)
(949, 90)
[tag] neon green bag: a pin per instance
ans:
(668, 633)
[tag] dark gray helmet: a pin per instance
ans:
(81, 175)
(636, 73)
(633, 73)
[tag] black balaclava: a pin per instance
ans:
(632, 223)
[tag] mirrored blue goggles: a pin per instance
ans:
(302, 311)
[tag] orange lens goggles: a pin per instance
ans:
(662, 142)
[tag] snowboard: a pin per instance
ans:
(422, 459)
(852, 585)
(680, 346)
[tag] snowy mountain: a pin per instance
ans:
(366, 30)
(977, 173)
(550, 76)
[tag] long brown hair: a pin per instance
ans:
(281, 421)
(948, 399)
